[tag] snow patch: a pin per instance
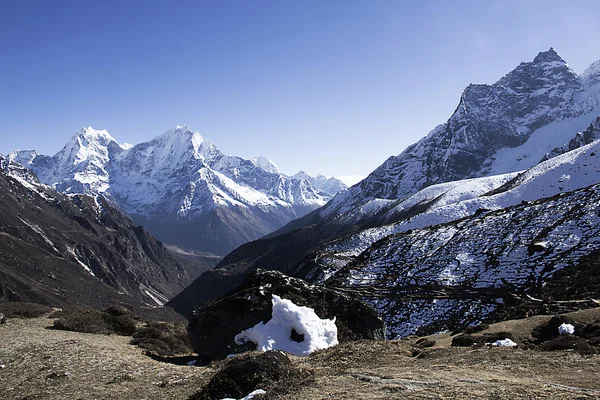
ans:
(276, 334)
(85, 266)
(249, 396)
(566, 329)
(504, 343)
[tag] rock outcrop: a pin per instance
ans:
(214, 325)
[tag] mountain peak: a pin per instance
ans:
(265, 164)
(548, 56)
(181, 139)
(591, 75)
(87, 144)
(90, 134)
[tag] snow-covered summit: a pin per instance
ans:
(89, 145)
(180, 179)
(327, 186)
(266, 164)
(591, 77)
(180, 142)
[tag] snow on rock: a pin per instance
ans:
(504, 343)
(249, 396)
(265, 164)
(566, 329)
(311, 332)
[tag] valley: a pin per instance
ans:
(466, 264)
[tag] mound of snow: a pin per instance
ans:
(566, 329)
(311, 332)
(504, 343)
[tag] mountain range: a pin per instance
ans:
(497, 207)
(181, 187)
(523, 147)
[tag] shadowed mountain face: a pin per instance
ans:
(76, 250)
(181, 187)
(540, 110)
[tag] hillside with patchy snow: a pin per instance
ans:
(505, 127)
(440, 277)
(528, 137)
(181, 187)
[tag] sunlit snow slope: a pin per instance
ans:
(181, 187)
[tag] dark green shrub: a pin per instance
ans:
(163, 338)
(423, 343)
(567, 342)
(244, 374)
(103, 322)
(470, 340)
(476, 328)
(23, 310)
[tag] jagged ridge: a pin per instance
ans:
(181, 187)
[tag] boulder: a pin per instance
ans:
(214, 325)
(244, 374)
(2, 319)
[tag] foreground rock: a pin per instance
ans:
(213, 326)
(246, 374)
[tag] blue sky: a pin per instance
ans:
(325, 86)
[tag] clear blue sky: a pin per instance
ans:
(326, 86)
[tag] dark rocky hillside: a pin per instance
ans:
(76, 250)
(456, 274)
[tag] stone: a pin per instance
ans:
(246, 373)
(214, 325)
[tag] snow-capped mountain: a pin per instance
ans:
(505, 127)
(180, 186)
(327, 186)
(265, 164)
(483, 160)
(447, 202)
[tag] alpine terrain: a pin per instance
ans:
(493, 210)
(181, 188)
(67, 250)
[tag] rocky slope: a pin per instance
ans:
(504, 127)
(541, 111)
(181, 188)
(61, 249)
(445, 276)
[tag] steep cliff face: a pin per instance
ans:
(181, 187)
(74, 249)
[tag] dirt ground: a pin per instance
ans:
(41, 363)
